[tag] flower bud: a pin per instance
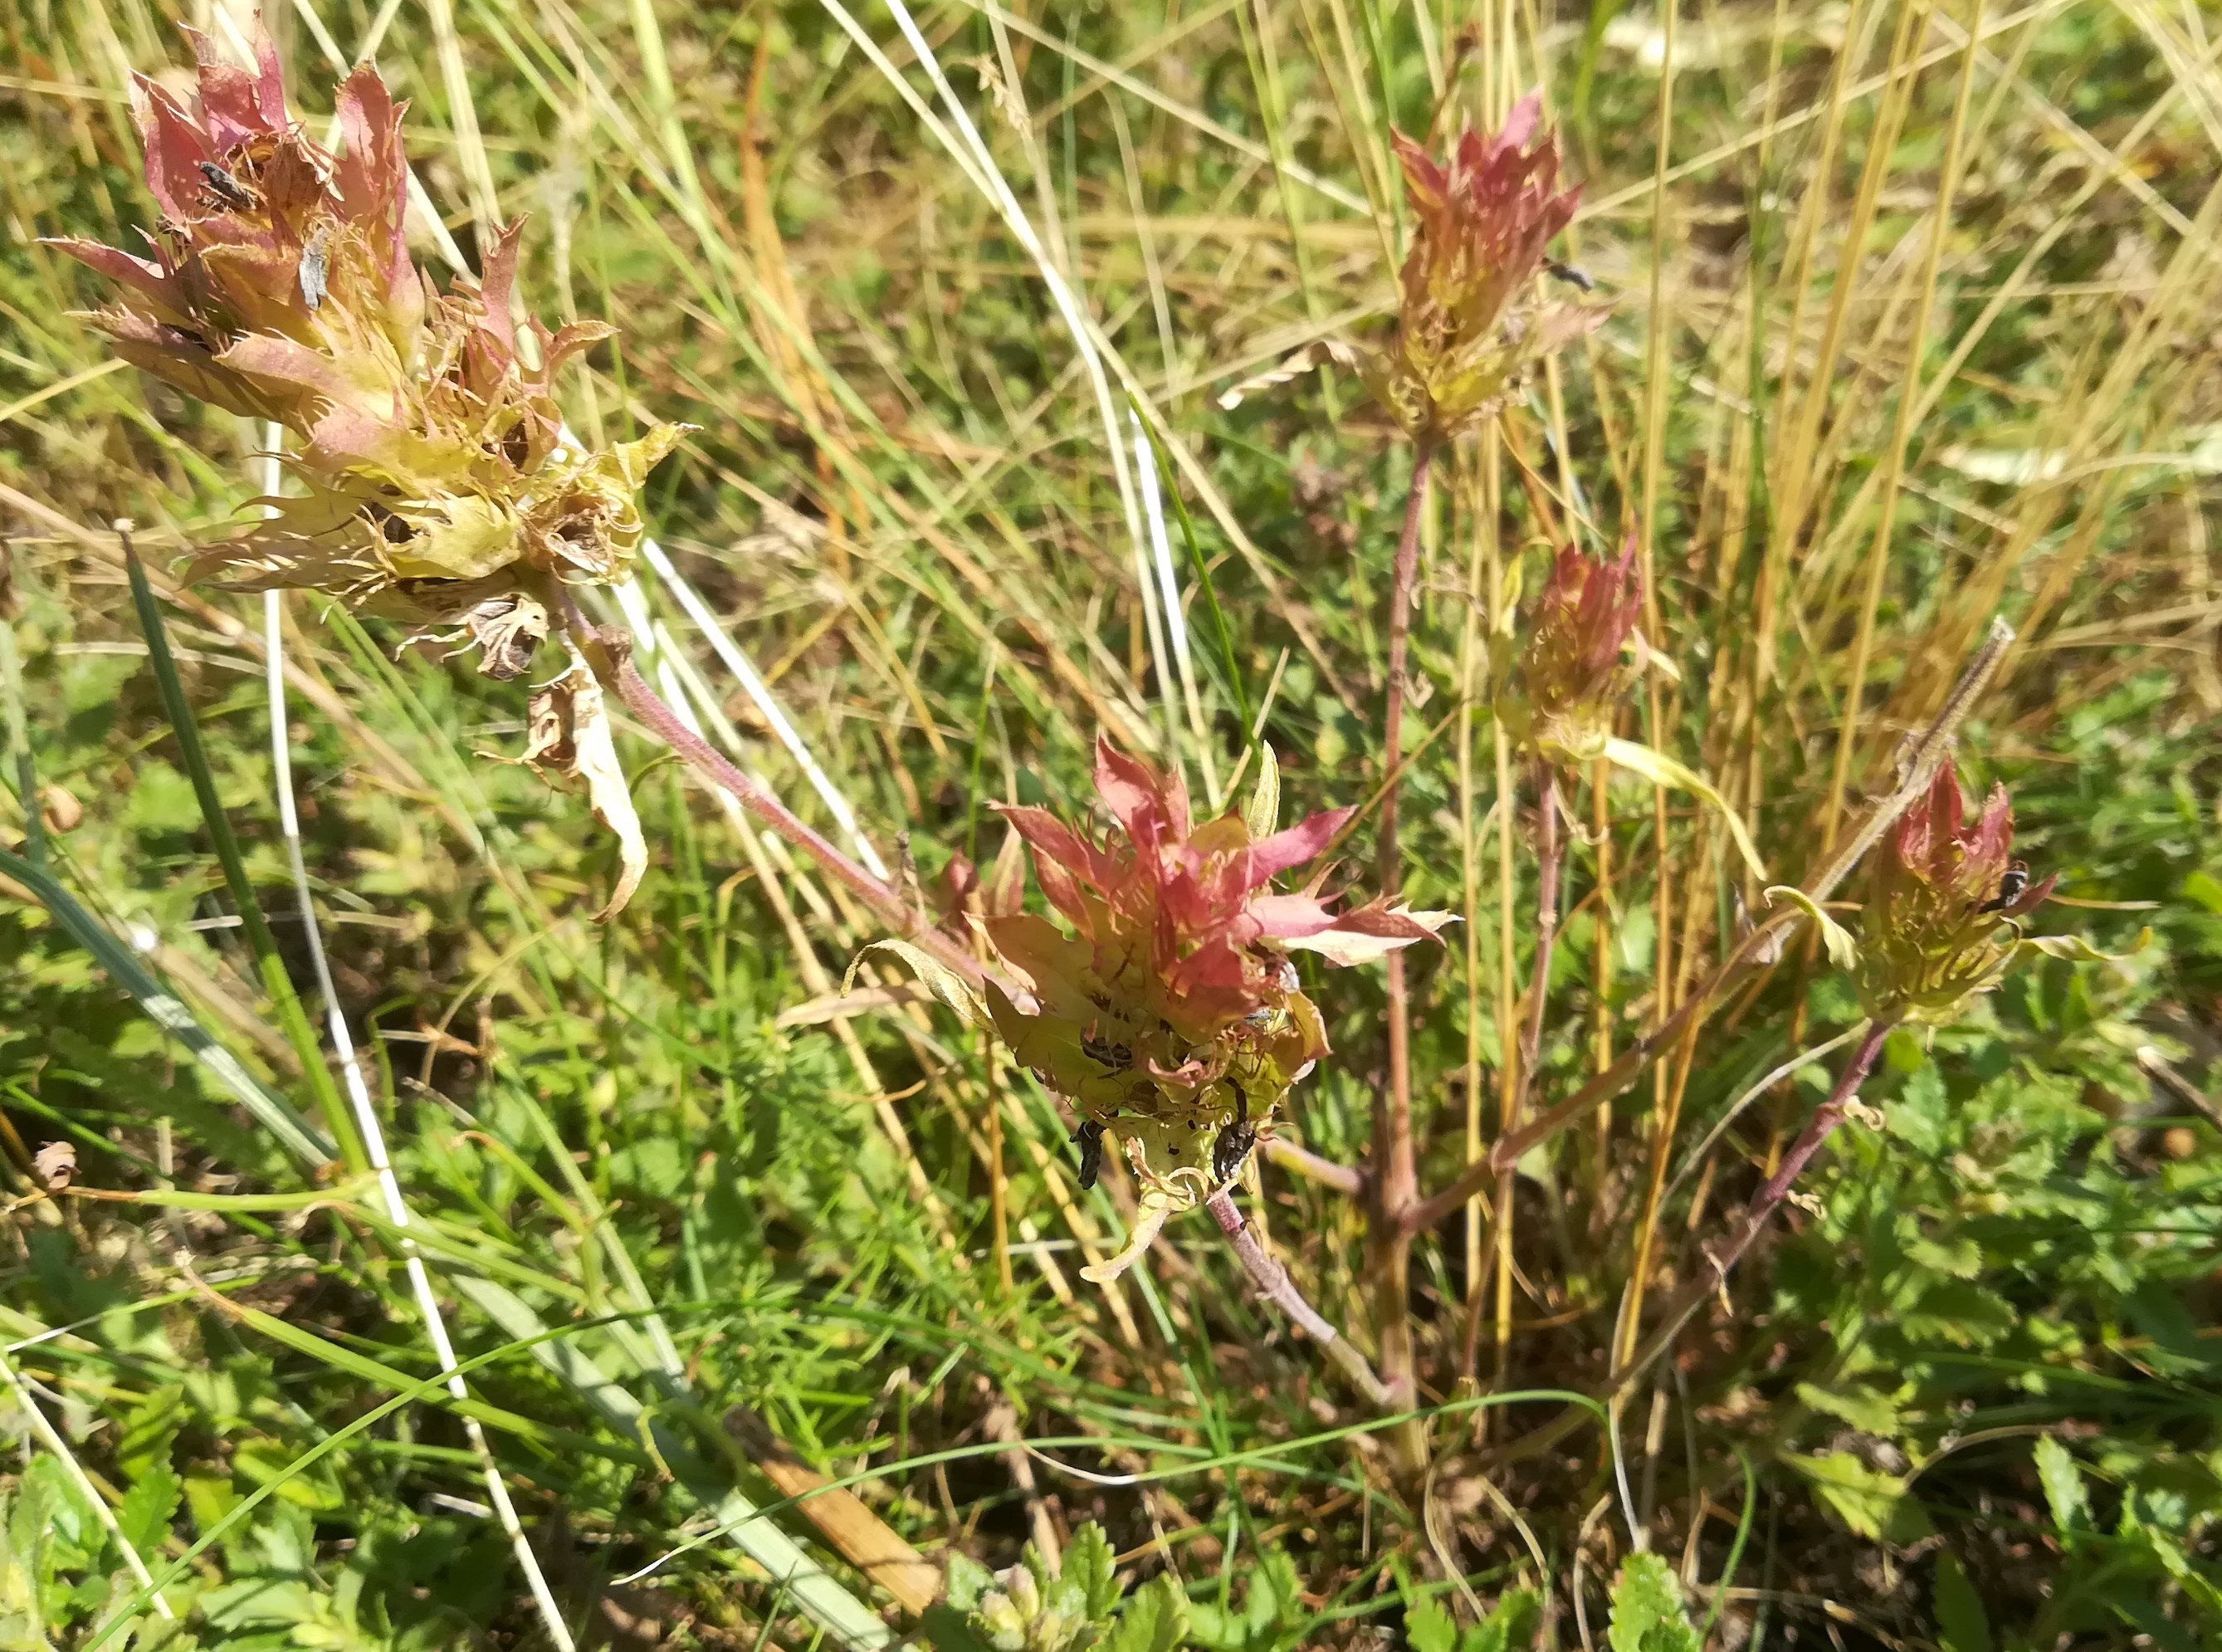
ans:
(438, 488)
(1569, 679)
(1467, 332)
(1940, 922)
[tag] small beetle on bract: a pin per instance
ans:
(2011, 884)
(1090, 1138)
(226, 188)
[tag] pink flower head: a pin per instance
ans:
(1172, 1011)
(1572, 673)
(281, 287)
(1940, 894)
(1482, 218)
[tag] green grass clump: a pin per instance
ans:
(1901, 339)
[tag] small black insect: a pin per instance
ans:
(2010, 889)
(1235, 1142)
(314, 267)
(226, 188)
(1571, 274)
(1228, 1152)
(1090, 1138)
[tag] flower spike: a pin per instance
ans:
(1465, 336)
(1169, 1013)
(1570, 675)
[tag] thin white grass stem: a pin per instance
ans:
(989, 176)
(50, 1437)
(358, 1091)
(1804, 1059)
(760, 695)
(1154, 512)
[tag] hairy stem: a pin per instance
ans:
(1273, 1282)
(611, 660)
(1396, 1176)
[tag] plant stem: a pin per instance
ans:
(1272, 1279)
(1550, 858)
(1764, 1203)
(1759, 949)
(1313, 1168)
(1396, 1176)
(611, 660)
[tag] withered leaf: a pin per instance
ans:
(568, 735)
(55, 1166)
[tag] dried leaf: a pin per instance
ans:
(568, 735)
(944, 982)
(55, 1166)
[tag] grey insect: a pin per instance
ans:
(1571, 274)
(226, 188)
(315, 266)
(1090, 1138)
(1234, 1143)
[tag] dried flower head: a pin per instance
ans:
(438, 487)
(1466, 333)
(1940, 924)
(1171, 1016)
(1578, 662)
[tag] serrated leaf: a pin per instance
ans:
(1961, 1623)
(1156, 1620)
(1090, 1562)
(1262, 812)
(143, 1513)
(1510, 1625)
(2063, 1484)
(1648, 1615)
(968, 1582)
(938, 978)
(1866, 1499)
(1864, 1409)
(1663, 770)
(1428, 1627)
(148, 1430)
(1844, 950)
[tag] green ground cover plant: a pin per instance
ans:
(1284, 823)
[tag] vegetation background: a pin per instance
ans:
(1862, 388)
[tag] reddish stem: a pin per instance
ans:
(612, 663)
(1273, 1282)
(1764, 1203)
(1396, 1176)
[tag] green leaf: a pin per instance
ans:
(1844, 950)
(148, 1430)
(1869, 1502)
(1428, 1627)
(1663, 770)
(1090, 1562)
(2075, 949)
(1646, 1608)
(143, 1513)
(2204, 888)
(1155, 1620)
(938, 978)
(968, 1582)
(1511, 1623)
(1961, 1623)
(1262, 813)
(1864, 1409)
(2063, 1485)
